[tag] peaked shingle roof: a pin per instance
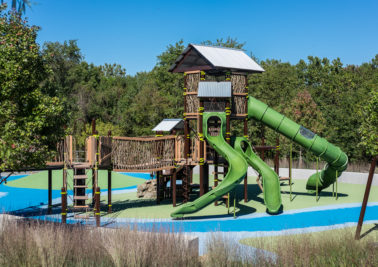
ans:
(202, 57)
(214, 89)
(168, 125)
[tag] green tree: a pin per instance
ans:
(61, 59)
(369, 126)
(276, 87)
(18, 5)
(30, 121)
(230, 42)
(169, 85)
(303, 110)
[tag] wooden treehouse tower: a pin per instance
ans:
(215, 80)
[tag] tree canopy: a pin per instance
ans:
(31, 121)
(51, 91)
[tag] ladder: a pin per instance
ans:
(80, 186)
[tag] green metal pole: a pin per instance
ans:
(333, 189)
(290, 166)
(317, 180)
(228, 203)
(336, 185)
(234, 204)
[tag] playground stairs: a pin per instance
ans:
(80, 186)
(183, 173)
(186, 174)
(223, 173)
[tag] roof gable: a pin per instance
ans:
(201, 57)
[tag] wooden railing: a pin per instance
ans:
(131, 154)
(64, 151)
(143, 154)
(194, 148)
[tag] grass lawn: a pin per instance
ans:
(335, 247)
(369, 233)
(39, 180)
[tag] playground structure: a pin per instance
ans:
(215, 95)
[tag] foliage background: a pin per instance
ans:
(57, 92)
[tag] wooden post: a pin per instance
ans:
(65, 176)
(93, 185)
(173, 187)
(246, 135)
(49, 182)
(64, 205)
(70, 150)
(201, 149)
(366, 197)
(206, 177)
(228, 132)
(109, 191)
(94, 126)
(97, 207)
(158, 178)
(228, 128)
(186, 121)
(215, 173)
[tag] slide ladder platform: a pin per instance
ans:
(79, 186)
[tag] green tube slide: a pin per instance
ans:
(236, 171)
(336, 159)
(271, 181)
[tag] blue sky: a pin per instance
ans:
(133, 33)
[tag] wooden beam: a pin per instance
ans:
(201, 149)
(144, 138)
(49, 186)
(97, 206)
(239, 94)
(109, 191)
(216, 173)
(245, 133)
(192, 72)
(366, 197)
(173, 187)
(144, 170)
(64, 204)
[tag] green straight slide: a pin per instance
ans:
(236, 171)
(271, 181)
(337, 160)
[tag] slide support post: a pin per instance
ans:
(336, 184)
(290, 166)
(366, 197)
(235, 204)
(228, 203)
(49, 205)
(97, 206)
(64, 205)
(317, 180)
(109, 191)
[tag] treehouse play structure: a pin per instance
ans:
(215, 95)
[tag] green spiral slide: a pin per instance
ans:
(242, 153)
(337, 160)
(271, 181)
(236, 171)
